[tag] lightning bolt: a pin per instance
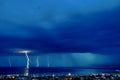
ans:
(27, 66)
(37, 61)
(48, 61)
(9, 62)
(28, 60)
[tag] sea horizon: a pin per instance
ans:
(57, 70)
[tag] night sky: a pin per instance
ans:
(60, 32)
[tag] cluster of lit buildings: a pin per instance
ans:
(69, 76)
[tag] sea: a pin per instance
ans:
(56, 70)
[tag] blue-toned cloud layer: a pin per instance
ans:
(65, 26)
(97, 33)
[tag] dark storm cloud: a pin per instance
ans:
(97, 33)
(60, 29)
(99, 36)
